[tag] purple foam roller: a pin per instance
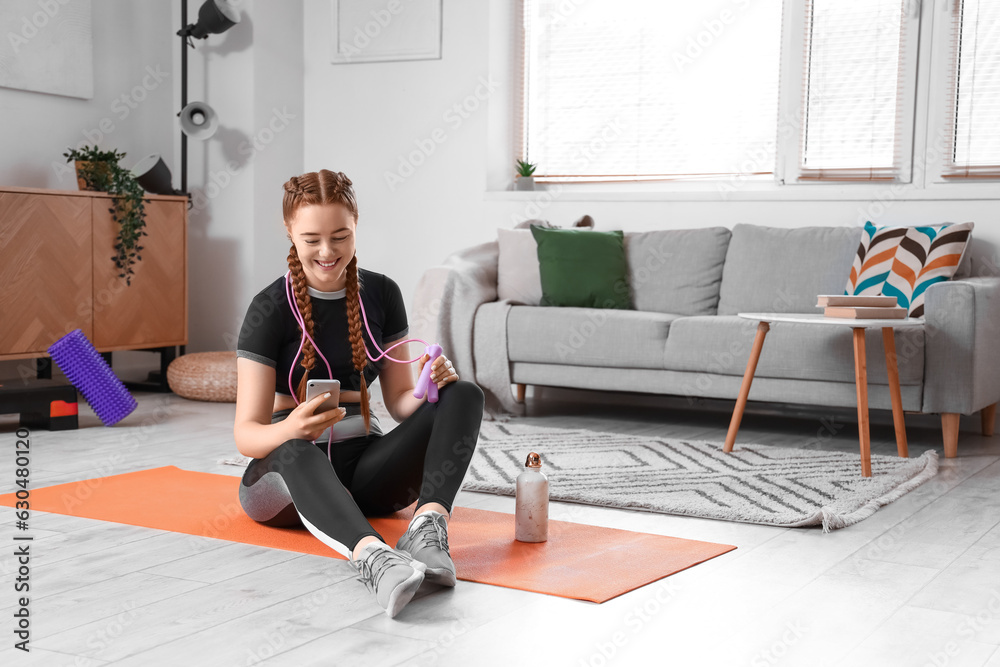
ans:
(86, 370)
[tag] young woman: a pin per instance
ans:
(330, 486)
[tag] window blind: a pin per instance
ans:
(854, 74)
(974, 103)
(638, 90)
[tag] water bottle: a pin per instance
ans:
(531, 516)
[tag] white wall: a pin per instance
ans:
(362, 117)
(38, 127)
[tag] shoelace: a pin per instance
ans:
(375, 565)
(433, 532)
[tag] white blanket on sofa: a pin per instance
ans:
(446, 303)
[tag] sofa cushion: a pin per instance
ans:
(518, 279)
(677, 270)
(582, 268)
(587, 336)
(721, 345)
(873, 259)
(770, 269)
(904, 261)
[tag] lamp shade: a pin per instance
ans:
(199, 121)
(214, 17)
(152, 173)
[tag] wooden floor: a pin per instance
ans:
(918, 583)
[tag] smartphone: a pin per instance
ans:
(316, 387)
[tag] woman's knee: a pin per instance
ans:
(265, 498)
(465, 391)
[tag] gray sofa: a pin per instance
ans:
(684, 336)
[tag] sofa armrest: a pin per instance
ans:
(446, 299)
(962, 345)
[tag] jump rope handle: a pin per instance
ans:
(424, 384)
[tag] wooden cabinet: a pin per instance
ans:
(56, 273)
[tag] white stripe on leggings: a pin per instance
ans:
(326, 539)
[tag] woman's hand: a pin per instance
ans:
(442, 372)
(303, 422)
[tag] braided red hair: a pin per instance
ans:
(325, 187)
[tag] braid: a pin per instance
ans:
(357, 341)
(305, 307)
(294, 187)
(326, 187)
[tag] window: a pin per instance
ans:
(634, 90)
(974, 113)
(857, 92)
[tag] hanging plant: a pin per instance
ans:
(100, 170)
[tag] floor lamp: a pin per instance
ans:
(199, 121)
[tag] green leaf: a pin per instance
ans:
(128, 201)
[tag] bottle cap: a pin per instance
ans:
(533, 461)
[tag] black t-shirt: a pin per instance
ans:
(270, 335)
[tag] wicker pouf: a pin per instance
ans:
(204, 376)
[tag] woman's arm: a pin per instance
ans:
(398, 384)
(253, 431)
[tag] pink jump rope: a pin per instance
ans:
(424, 384)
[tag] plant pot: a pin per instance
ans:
(100, 169)
(524, 183)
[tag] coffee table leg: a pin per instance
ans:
(861, 380)
(889, 343)
(741, 402)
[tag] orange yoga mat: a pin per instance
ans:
(578, 561)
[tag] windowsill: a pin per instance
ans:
(724, 191)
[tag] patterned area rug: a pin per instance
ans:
(776, 486)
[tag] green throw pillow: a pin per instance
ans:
(582, 268)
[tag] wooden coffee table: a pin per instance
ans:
(888, 328)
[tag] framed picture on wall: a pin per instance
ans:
(367, 31)
(47, 47)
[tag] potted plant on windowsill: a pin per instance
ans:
(525, 178)
(100, 170)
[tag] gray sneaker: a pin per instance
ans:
(393, 576)
(428, 544)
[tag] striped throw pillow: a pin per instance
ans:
(904, 261)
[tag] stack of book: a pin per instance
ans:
(861, 307)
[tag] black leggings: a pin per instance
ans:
(423, 459)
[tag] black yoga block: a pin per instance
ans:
(41, 403)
